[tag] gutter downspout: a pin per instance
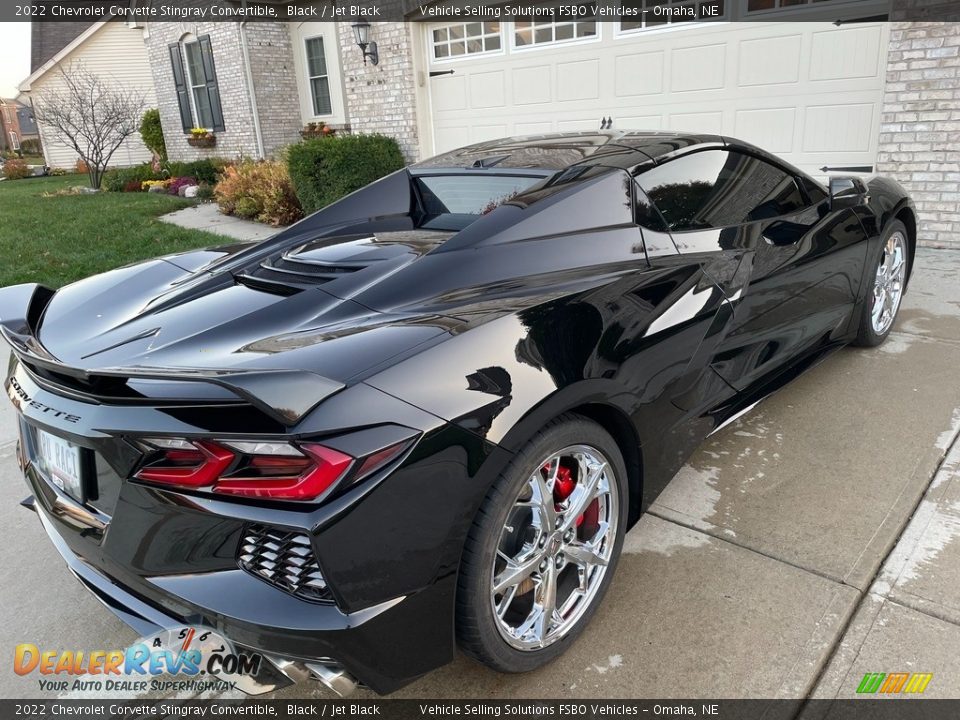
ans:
(248, 76)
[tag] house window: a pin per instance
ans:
(466, 39)
(198, 86)
(545, 32)
(318, 76)
(761, 5)
(651, 14)
(198, 92)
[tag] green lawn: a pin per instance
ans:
(56, 239)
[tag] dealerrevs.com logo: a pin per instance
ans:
(196, 658)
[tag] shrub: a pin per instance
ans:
(81, 167)
(16, 169)
(147, 184)
(205, 171)
(31, 146)
(132, 186)
(56, 172)
(260, 191)
(117, 179)
(325, 169)
(205, 192)
(152, 133)
(179, 182)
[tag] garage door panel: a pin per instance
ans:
(641, 122)
(847, 53)
(578, 80)
(770, 128)
(698, 68)
(451, 95)
(532, 85)
(488, 132)
(577, 125)
(838, 128)
(487, 90)
(638, 74)
(450, 137)
(704, 122)
(770, 61)
(532, 128)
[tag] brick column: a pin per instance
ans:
(920, 124)
(382, 98)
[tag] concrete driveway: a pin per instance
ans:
(770, 567)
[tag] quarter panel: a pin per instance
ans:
(634, 343)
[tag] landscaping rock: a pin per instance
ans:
(190, 191)
(157, 189)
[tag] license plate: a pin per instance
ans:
(60, 460)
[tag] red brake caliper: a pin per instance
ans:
(562, 489)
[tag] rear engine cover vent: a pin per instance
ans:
(285, 560)
(290, 268)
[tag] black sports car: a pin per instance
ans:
(425, 416)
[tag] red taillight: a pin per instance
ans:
(196, 466)
(326, 466)
(261, 469)
(267, 470)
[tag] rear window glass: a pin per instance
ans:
(468, 194)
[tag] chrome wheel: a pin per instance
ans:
(555, 547)
(888, 286)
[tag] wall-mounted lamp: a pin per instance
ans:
(361, 32)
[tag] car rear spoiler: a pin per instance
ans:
(284, 395)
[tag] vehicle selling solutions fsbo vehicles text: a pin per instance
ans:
(495, 12)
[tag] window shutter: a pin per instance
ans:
(210, 79)
(180, 81)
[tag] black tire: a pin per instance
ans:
(477, 630)
(867, 336)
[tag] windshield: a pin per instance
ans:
(454, 201)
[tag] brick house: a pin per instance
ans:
(16, 124)
(258, 84)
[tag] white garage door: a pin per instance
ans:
(810, 92)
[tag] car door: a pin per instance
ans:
(790, 268)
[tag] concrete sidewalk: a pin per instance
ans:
(207, 216)
(782, 560)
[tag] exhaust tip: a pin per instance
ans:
(338, 680)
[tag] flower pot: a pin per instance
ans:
(202, 141)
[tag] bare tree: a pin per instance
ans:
(92, 115)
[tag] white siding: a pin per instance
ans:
(115, 52)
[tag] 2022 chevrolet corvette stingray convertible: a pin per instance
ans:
(425, 416)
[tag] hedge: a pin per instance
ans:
(119, 179)
(205, 171)
(325, 169)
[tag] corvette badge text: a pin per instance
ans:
(20, 399)
(186, 653)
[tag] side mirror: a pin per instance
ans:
(847, 192)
